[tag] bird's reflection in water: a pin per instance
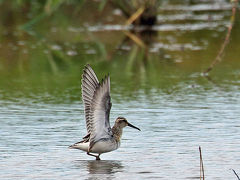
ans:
(100, 167)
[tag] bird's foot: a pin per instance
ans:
(97, 157)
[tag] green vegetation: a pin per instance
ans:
(45, 44)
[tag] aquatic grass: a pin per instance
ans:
(202, 175)
(44, 59)
(40, 10)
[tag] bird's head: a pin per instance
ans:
(122, 122)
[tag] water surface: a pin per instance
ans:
(35, 137)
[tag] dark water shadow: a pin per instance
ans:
(99, 167)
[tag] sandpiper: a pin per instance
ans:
(100, 138)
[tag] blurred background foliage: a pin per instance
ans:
(44, 44)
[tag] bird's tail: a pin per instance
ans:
(80, 145)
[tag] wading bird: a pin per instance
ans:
(100, 138)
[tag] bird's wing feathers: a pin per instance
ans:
(89, 85)
(100, 110)
(97, 101)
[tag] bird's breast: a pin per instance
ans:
(103, 146)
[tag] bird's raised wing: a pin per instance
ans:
(100, 111)
(97, 101)
(89, 86)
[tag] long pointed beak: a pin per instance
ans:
(130, 125)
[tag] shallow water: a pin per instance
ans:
(35, 137)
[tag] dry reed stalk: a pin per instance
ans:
(135, 16)
(226, 41)
(236, 174)
(201, 165)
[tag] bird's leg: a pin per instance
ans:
(97, 157)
